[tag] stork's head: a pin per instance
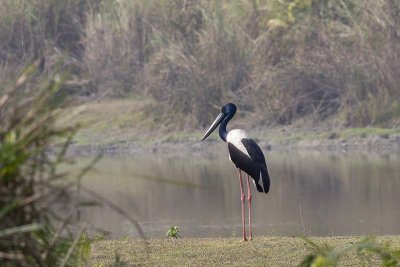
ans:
(226, 110)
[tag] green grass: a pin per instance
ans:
(326, 136)
(112, 121)
(138, 120)
(262, 251)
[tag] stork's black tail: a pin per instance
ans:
(259, 188)
(265, 179)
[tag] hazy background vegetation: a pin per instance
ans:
(333, 61)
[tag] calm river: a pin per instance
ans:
(337, 194)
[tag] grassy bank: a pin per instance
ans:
(124, 123)
(263, 251)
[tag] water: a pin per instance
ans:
(313, 193)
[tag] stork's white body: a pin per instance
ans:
(235, 138)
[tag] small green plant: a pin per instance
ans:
(173, 232)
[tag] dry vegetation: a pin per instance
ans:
(282, 60)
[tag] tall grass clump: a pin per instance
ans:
(37, 200)
(286, 61)
(322, 58)
(179, 53)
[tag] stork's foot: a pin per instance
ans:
(244, 239)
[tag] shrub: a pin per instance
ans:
(35, 229)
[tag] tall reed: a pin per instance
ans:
(283, 60)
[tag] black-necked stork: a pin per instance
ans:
(245, 154)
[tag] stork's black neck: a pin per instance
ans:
(223, 133)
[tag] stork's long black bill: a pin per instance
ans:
(214, 125)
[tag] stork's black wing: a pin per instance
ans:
(254, 151)
(254, 165)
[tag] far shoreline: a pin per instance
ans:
(176, 148)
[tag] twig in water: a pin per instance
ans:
(120, 211)
(301, 216)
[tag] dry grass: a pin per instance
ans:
(282, 60)
(263, 251)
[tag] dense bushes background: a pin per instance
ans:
(282, 60)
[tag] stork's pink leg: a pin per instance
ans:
(242, 197)
(249, 200)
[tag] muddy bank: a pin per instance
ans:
(214, 146)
